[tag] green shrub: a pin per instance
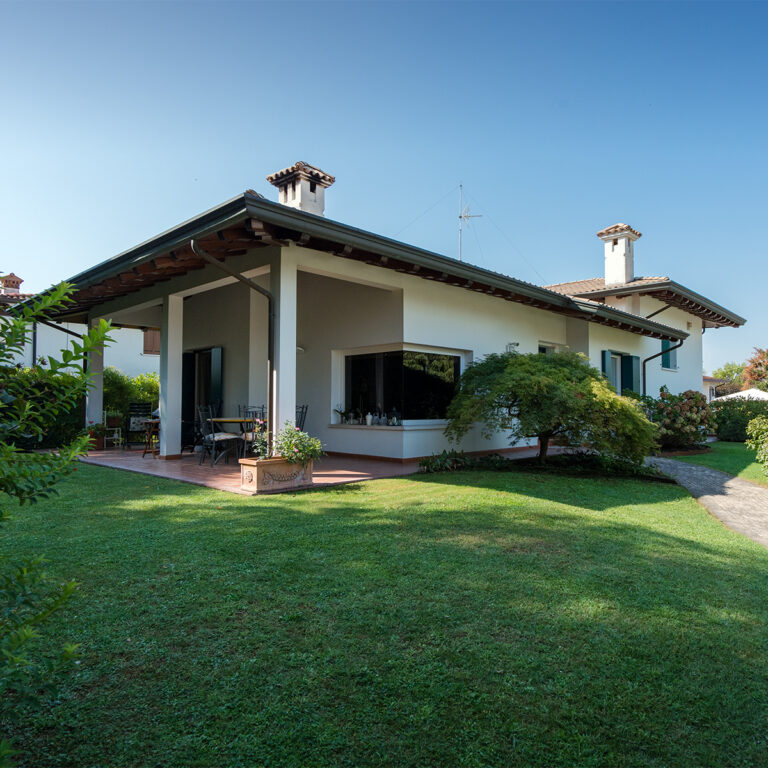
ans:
(757, 431)
(683, 420)
(121, 390)
(732, 417)
(39, 391)
(558, 397)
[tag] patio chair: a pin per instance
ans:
(136, 423)
(253, 411)
(217, 444)
(301, 416)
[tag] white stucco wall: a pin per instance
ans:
(689, 356)
(126, 352)
(221, 318)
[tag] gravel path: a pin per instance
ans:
(741, 505)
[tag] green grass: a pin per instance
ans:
(733, 458)
(475, 619)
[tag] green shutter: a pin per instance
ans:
(666, 357)
(630, 373)
(606, 358)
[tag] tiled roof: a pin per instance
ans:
(617, 229)
(301, 170)
(597, 285)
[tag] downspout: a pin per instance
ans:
(659, 354)
(198, 251)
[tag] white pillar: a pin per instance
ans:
(171, 339)
(282, 282)
(94, 399)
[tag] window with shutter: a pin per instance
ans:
(151, 341)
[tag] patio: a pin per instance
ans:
(330, 470)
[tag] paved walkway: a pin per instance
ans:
(741, 505)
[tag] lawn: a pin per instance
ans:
(475, 619)
(733, 458)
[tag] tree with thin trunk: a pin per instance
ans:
(556, 397)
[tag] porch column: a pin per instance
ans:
(94, 399)
(282, 282)
(171, 339)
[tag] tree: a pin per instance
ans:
(733, 373)
(552, 397)
(27, 597)
(756, 370)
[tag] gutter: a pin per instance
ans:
(653, 357)
(270, 324)
(252, 205)
(669, 285)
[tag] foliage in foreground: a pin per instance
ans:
(757, 430)
(558, 397)
(732, 417)
(683, 420)
(470, 619)
(27, 597)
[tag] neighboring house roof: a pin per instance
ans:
(746, 394)
(662, 288)
(713, 380)
(249, 220)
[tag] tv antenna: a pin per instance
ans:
(464, 216)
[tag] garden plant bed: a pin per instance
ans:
(475, 618)
(575, 464)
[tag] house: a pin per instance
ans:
(709, 385)
(264, 302)
(133, 351)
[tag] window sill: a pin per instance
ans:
(437, 424)
(670, 370)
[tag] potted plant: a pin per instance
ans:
(96, 432)
(283, 467)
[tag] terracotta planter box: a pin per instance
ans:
(273, 475)
(98, 443)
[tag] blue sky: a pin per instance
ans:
(120, 120)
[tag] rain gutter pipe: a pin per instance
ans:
(658, 354)
(198, 251)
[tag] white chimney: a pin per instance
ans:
(302, 186)
(10, 284)
(619, 253)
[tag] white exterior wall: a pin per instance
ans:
(689, 356)
(126, 352)
(221, 318)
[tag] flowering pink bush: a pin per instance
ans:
(683, 420)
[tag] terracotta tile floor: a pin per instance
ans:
(331, 470)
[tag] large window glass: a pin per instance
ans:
(411, 385)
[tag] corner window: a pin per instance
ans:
(413, 385)
(151, 341)
(669, 358)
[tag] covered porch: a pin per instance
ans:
(330, 470)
